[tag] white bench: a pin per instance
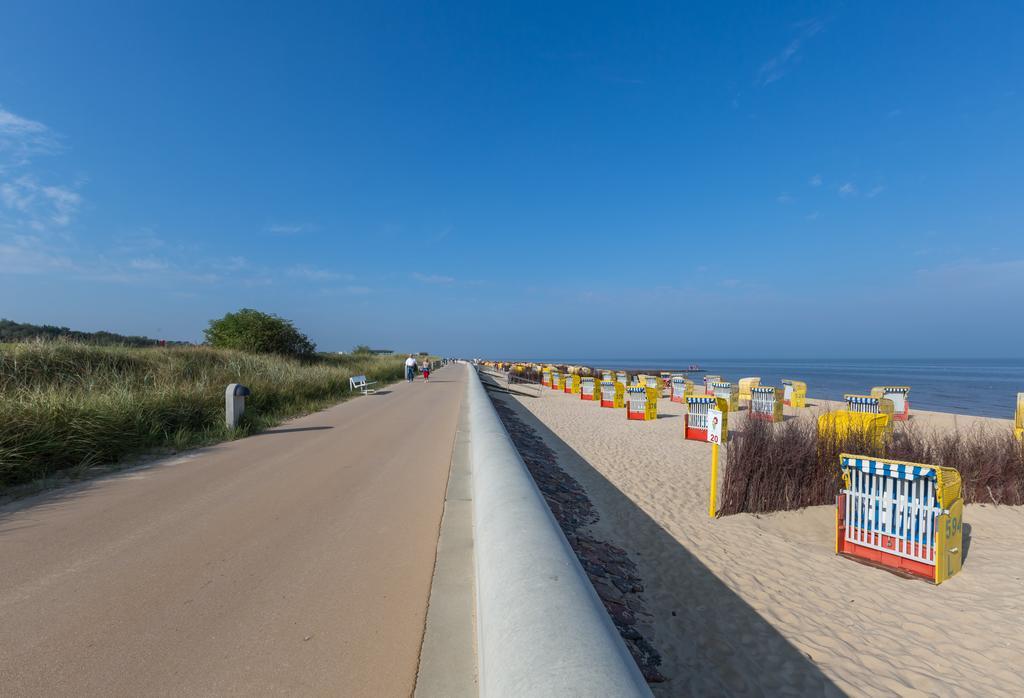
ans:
(359, 383)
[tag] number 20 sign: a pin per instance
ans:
(714, 426)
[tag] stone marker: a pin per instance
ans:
(234, 403)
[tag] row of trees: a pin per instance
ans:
(246, 330)
(11, 331)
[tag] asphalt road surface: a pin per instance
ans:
(297, 561)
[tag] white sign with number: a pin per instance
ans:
(715, 426)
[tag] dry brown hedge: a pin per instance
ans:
(776, 467)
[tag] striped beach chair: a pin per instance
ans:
(613, 394)
(590, 389)
(556, 380)
(607, 375)
(652, 382)
(545, 378)
(869, 404)
(728, 392)
(679, 388)
(766, 403)
(794, 393)
(899, 515)
(1018, 421)
(900, 396)
(622, 377)
(641, 402)
(708, 380)
(695, 421)
(745, 384)
(571, 384)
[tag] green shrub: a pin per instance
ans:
(258, 333)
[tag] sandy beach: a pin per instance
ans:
(760, 604)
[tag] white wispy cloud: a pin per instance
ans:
(14, 125)
(847, 189)
(37, 233)
(302, 271)
(15, 195)
(234, 264)
(26, 203)
(148, 264)
(815, 181)
(351, 290)
(289, 228)
(21, 138)
(874, 191)
(29, 254)
(784, 199)
(38, 204)
(438, 279)
(64, 202)
(776, 67)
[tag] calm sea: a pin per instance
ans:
(985, 387)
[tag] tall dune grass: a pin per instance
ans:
(66, 405)
(775, 467)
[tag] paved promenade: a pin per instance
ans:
(296, 562)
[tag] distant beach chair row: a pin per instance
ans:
(639, 393)
(765, 402)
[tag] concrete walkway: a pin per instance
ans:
(298, 561)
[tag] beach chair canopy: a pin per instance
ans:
(902, 471)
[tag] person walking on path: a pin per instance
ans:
(410, 368)
(426, 372)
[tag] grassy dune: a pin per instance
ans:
(65, 405)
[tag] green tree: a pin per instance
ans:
(259, 333)
(361, 349)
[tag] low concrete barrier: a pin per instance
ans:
(541, 629)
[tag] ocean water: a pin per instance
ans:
(984, 387)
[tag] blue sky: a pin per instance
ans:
(708, 179)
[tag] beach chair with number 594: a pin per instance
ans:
(907, 517)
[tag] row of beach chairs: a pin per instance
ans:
(904, 516)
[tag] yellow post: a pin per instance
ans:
(714, 480)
